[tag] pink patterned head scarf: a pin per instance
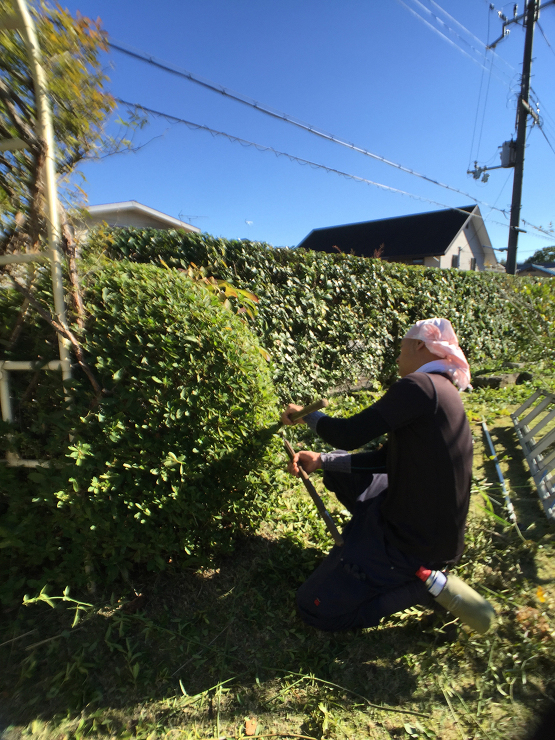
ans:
(441, 340)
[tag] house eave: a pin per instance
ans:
(133, 206)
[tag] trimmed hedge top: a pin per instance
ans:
(332, 320)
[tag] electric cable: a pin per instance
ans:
(540, 122)
(449, 41)
(463, 28)
(239, 97)
(299, 160)
(263, 148)
(448, 28)
(142, 56)
(482, 54)
(540, 106)
(548, 234)
(484, 114)
(479, 41)
(545, 37)
(545, 137)
(477, 112)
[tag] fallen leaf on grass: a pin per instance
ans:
(134, 605)
(250, 726)
(533, 622)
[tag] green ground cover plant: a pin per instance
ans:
(162, 553)
(215, 651)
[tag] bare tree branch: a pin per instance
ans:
(6, 240)
(18, 326)
(35, 219)
(31, 387)
(24, 131)
(68, 243)
(65, 332)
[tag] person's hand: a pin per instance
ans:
(289, 410)
(310, 462)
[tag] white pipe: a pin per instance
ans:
(12, 145)
(30, 365)
(5, 399)
(14, 259)
(9, 22)
(14, 461)
(46, 133)
(508, 503)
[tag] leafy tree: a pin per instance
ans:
(80, 105)
(543, 256)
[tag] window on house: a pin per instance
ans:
(473, 263)
(418, 262)
(455, 260)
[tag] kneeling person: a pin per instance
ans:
(409, 499)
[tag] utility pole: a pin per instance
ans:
(512, 152)
(522, 111)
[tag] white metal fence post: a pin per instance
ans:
(23, 23)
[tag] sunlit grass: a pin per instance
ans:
(196, 654)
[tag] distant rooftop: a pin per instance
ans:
(547, 269)
(419, 235)
(132, 213)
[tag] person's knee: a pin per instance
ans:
(314, 614)
(307, 604)
(316, 620)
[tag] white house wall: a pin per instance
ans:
(434, 261)
(466, 246)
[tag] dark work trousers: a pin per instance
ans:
(366, 578)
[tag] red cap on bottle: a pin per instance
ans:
(423, 573)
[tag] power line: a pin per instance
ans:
(239, 97)
(463, 28)
(549, 234)
(547, 119)
(438, 32)
(550, 123)
(478, 106)
(545, 37)
(484, 114)
(479, 41)
(483, 54)
(540, 126)
(476, 120)
(449, 41)
(439, 20)
(316, 165)
(263, 148)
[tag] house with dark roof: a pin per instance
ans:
(454, 237)
(534, 270)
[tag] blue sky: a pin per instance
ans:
(370, 73)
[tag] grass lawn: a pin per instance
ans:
(220, 653)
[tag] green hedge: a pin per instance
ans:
(330, 320)
(170, 465)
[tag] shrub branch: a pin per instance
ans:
(64, 331)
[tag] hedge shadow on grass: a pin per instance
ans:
(200, 628)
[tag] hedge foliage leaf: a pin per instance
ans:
(173, 464)
(332, 320)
